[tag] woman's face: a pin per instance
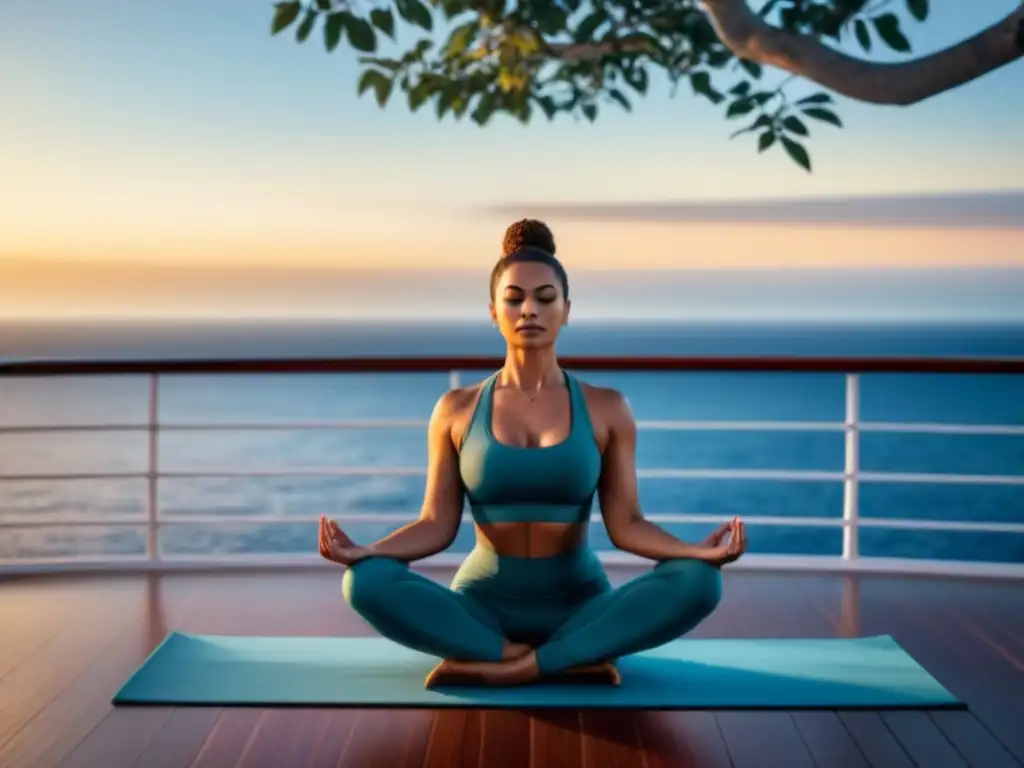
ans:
(529, 306)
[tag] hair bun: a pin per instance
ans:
(527, 233)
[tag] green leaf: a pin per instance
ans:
(740, 90)
(701, 83)
(762, 121)
(418, 95)
(590, 112)
(547, 104)
(824, 115)
(752, 67)
(918, 9)
(360, 33)
(443, 104)
(860, 29)
(739, 107)
(306, 27)
(797, 152)
(323, 5)
(795, 125)
(888, 27)
(484, 110)
(332, 30)
(637, 79)
(817, 98)
(384, 20)
(416, 13)
(389, 64)
(379, 82)
(765, 140)
(586, 29)
(460, 104)
(460, 39)
(551, 20)
(284, 15)
(618, 96)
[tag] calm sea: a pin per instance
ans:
(697, 396)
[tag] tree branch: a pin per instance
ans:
(572, 52)
(902, 84)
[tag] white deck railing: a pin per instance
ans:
(850, 521)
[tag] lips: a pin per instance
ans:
(527, 328)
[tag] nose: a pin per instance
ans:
(529, 307)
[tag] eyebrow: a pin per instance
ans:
(538, 288)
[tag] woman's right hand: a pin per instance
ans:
(337, 547)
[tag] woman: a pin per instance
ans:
(530, 447)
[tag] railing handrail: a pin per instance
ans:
(439, 364)
(851, 475)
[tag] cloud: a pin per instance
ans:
(990, 210)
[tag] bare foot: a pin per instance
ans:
(516, 671)
(603, 673)
(514, 651)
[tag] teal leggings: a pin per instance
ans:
(573, 620)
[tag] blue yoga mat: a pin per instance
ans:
(872, 673)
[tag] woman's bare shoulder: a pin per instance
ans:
(607, 399)
(609, 409)
(454, 410)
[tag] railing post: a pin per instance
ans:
(153, 471)
(851, 469)
(454, 381)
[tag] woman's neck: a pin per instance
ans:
(531, 369)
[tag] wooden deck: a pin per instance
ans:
(67, 644)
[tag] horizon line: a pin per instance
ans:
(39, 263)
(981, 209)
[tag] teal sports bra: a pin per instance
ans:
(511, 484)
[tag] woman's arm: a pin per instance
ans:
(619, 499)
(441, 514)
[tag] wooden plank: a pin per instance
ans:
(958, 630)
(119, 739)
(386, 738)
(472, 740)
(231, 738)
(876, 742)
(183, 734)
(454, 740)
(916, 613)
(750, 736)
(33, 614)
(556, 738)
(506, 738)
(828, 741)
(678, 739)
(611, 738)
(973, 740)
(56, 730)
(331, 749)
(922, 739)
(285, 737)
(38, 680)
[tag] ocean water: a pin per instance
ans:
(226, 400)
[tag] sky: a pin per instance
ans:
(147, 139)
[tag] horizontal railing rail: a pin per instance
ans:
(440, 364)
(850, 522)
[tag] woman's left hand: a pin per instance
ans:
(726, 544)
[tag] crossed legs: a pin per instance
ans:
(668, 601)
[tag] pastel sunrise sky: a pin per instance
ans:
(172, 158)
